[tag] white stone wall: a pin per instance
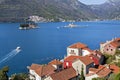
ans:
(36, 76)
(76, 52)
(102, 47)
(77, 65)
(85, 52)
(32, 74)
(90, 77)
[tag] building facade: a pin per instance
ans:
(110, 47)
(78, 49)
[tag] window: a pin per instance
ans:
(107, 49)
(111, 49)
(72, 50)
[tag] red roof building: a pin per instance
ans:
(78, 49)
(66, 74)
(110, 47)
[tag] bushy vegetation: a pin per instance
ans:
(109, 58)
(98, 79)
(114, 77)
(3, 73)
(20, 76)
(82, 77)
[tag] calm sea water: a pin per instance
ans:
(50, 42)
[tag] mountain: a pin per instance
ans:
(108, 10)
(19, 10)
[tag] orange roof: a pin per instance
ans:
(86, 60)
(34, 66)
(65, 74)
(115, 69)
(42, 70)
(55, 62)
(71, 58)
(102, 71)
(116, 42)
(78, 45)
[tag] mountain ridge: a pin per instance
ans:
(20, 10)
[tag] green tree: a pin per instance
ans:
(117, 52)
(112, 77)
(20, 76)
(3, 73)
(82, 74)
(117, 77)
(109, 58)
(98, 79)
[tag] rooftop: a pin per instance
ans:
(86, 60)
(65, 74)
(55, 62)
(78, 45)
(102, 71)
(71, 58)
(116, 42)
(115, 69)
(42, 70)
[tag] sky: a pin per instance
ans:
(89, 2)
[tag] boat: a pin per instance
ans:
(18, 49)
(71, 25)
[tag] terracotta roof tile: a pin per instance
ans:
(86, 60)
(71, 58)
(35, 66)
(42, 70)
(78, 45)
(102, 71)
(116, 42)
(115, 69)
(55, 62)
(65, 74)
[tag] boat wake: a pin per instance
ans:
(9, 55)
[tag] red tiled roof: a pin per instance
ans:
(115, 69)
(86, 60)
(65, 74)
(116, 42)
(102, 71)
(78, 45)
(34, 66)
(42, 70)
(55, 62)
(71, 58)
